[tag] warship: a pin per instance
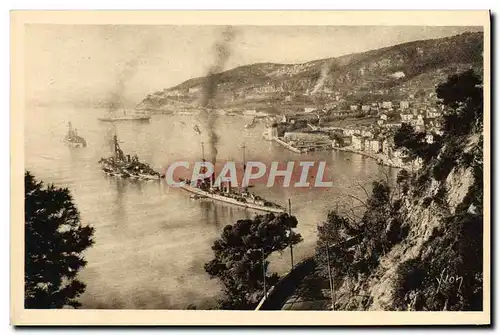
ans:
(72, 139)
(238, 196)
(125, 166)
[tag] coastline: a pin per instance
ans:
(381, 159)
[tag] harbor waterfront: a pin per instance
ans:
(151, 240)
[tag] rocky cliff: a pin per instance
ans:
(422, 235)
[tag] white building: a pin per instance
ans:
(432, 114)
(357, 142)
(366, 133)
(406, 117)
(372, 146)
(398, 75)
(270, 133)
(387, 104)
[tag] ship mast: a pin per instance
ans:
(115, 142)
(244, 158)
(203, 151)
(244, 163)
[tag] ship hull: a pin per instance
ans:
(125, 118)
(75, 144)
(231, 201)
(131, 176)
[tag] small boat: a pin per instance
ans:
(125, 115)
(251, 124)
(72, 139)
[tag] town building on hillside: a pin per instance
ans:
(353, 107)
(432, 113)
(308, 141)
(383, 117)
(406, 117)
(348, 132)
(195, 89)
(372, 146)
(392, 125)
(366, 133)
(387, 146)
(297, 136)
(404, 104)
(429, 138)
(309, 109)
(418, 123)
(387, 104)
(357, 142)
(366, 108)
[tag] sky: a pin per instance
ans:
(87, 63)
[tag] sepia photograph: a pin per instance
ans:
(327, 166)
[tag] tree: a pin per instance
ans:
(335, 230)
(54, 241)
(241, 253)
(414, 143)
(462, 96)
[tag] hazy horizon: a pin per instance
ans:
(85, 64)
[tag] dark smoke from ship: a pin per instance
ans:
(209, 89)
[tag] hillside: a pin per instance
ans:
(389, 73)
(421, 242)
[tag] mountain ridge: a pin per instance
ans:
(346, 78)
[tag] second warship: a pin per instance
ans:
(125, 166)
(72, 139)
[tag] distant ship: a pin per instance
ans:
(124, 115)
(72, 139)
(124, 166)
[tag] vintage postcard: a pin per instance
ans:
(206, 168)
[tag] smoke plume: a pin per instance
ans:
(325, 70)
(209, 90)
(117, 97)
